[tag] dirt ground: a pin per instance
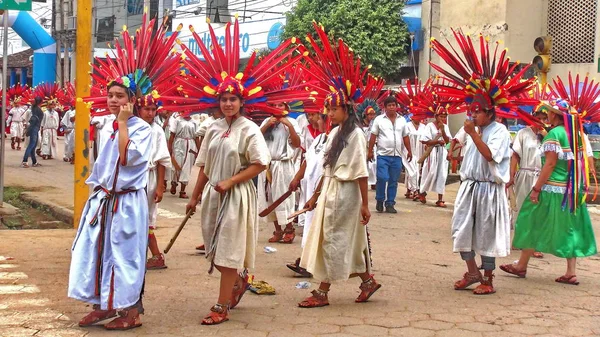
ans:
(412, 256)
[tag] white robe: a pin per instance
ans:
(527, 145)
(481, 220)
(435, 167)
(104, 130)
(337, 244)
(50, 125)
(69, 128)
(158, 120)
(230, 221)
(17, 122)
(306, 140)
(112, 238)
(412, 170)
(282, 172)
(312, 175)
(159, 156)
(184, 146)
(371, 165)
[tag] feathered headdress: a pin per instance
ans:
(371, 97)
(49, 92)
(405, 95)
(577, 102)
(18, 94)
(337, 68)
(482, 81)
(218, 72)
(66, 95)
(145, 64)
(426, 103)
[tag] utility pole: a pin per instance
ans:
(82, 114)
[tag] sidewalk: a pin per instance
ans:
(412, 256)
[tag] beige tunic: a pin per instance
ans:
(231, 242)
(337, 244)
(527, 146)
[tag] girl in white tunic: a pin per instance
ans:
(413, 169)
(435, 167)
(183, 146)
(337, 245)
(49, 128)
(232, 153)
(17, 125)
(282, 137)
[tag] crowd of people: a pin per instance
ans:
(316, 169)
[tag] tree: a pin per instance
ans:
(374, 29)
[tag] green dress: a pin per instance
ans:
(546, 226)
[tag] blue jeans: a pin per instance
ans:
(388, 173)
(30, 150)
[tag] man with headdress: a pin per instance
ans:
(435, 167)
(481, 222)
(109, 252)
(50, 125)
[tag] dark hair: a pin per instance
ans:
(113, 84)
(390, 99)
(339, 141)
(36, 101)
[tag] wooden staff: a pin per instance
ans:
(185, 220)
(428, 150)
(275, 203)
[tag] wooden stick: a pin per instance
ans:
(185, 220)
(275, 203)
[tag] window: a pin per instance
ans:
(105, 29)
(217, 11)
(572, 25)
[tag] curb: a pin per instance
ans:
(59, 212)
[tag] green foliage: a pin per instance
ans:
(372, 28)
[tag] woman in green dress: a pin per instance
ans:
(545, 223)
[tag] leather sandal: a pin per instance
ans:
(368, 288)
(173, 189)
(238, 293)
(467, 280)
(277, 236)
(511, 269)
(572, 280)
(318, 299)
(486, 287)
(441, 203)
(422, 198)
(218, 314)
(124, 321)
(289, 234)
(295, 267)
(183, 195)
(96, 316)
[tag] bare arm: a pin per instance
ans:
(197, 141)
(514, 163)
(160, 187)
(364, 208)
(250, 172)
(481, 146)
(371, 145)
(170, 144)
(406, 141)
(299, 175)
(294, 136)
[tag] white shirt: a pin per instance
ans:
(389, 135)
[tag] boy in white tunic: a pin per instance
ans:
(68, 123)
(183, 146)
(412, 168)
(160, 160)
(17, 125)
(50, 125)
(435, 167)
(282, 136)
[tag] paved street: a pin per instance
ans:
(412, 256)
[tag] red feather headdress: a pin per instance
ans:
(18, 94)
(337, 68)
(145, 63)
(482, 82)
(49, 92)
(218, 72)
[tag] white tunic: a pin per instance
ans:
(312, 175)
(50, 125)
(435, 167)
(104, 129)
(184, 146)
(417, 148)
(17, 121)
(159, 156)
(69, 128)
(282, 172)
(371, 165)
(481, 219)
(230, 221)
(527, 145)
(112, 238)
(160, 121)
(337, 244)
